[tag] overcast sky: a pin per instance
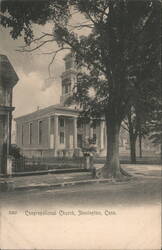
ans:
(32, 89)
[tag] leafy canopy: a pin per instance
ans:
(120, 53)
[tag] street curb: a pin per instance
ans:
(9, 185)
(63, 184)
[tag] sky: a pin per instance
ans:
(33, 89)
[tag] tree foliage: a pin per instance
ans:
(20, 15)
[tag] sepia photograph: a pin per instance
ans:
(80, 124)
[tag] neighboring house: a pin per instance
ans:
(55, 131)
(8, 79)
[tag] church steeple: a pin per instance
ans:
(68, 78)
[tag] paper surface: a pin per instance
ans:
(110, 216)
(31, 226)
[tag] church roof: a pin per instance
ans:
(53, 109)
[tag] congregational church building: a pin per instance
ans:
(55, 130)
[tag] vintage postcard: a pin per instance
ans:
(80, 124)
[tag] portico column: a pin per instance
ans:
(56, 135)
(49, 132)
(75, 133)
(105, 137)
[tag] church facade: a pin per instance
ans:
(55, 130)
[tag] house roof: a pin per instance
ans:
(8, 75)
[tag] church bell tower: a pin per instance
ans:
(68, 78)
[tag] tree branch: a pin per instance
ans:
(80, 26)
(39, 38)
(37, 47)
(53, 58)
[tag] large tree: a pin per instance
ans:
(120, 51)
(122, 57)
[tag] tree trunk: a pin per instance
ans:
(132, 138)
(112, 161)
(140, 145)
(112, 166)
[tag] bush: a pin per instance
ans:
(15, 151)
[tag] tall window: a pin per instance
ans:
(62, 138)
(66, 86)
(30, 133)
(40, 132)
(79, 140)
(94, 138)
(62, 122)
(66, 89)
(80, 124)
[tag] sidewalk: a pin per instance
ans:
(53, 180)
(46, 181)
